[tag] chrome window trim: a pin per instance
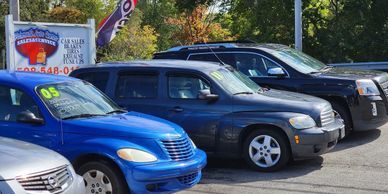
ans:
(262, 56)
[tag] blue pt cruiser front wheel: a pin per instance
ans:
(102, 178)
(266, 150)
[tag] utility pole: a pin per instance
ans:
(14, 9)
(298, 25)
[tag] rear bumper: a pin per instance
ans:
(316, 141)
(370, 114)
(168, 177)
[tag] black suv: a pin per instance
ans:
(358, 97)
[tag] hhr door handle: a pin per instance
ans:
(177, 109)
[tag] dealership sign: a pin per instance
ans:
(49, 47)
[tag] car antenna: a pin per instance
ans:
(215, 54)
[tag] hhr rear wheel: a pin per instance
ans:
(102, 178)
(266, 150)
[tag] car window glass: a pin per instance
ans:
(98, 79)
(297, 60)
(225, 58)
(76, 98)
(13, 102)
(186, 87)
(203, 57)
(269, 64)
(251, 64)
(234, 82)
(137, 86)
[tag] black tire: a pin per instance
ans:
(344, 113)
(284, 146)
(117, 180)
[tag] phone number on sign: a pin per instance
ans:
(49, 70)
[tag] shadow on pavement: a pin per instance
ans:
(357, 139)
(229, 171)
(234, 171)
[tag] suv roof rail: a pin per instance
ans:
(203, 46)
(233, 41)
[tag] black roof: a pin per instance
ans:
(161, 63)
(226, 45)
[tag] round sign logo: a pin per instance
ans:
(36, 44)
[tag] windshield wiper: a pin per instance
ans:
(328, 67)
(82, 116)
(238, 93)
(117, 111)
(315, 72)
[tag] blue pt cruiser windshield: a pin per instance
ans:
(75, 99)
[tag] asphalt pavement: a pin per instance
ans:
(358, 164)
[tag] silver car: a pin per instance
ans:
(27, 168)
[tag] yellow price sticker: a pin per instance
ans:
(217, 75)
(49, 92)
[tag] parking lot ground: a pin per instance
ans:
(358, 164)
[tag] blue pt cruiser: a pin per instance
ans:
(115, 151)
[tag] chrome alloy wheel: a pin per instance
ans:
(96, 182)
(264, 151)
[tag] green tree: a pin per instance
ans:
(97, 9)
(333, 30)
(155, 12)
(133, 42)
(66, 15)
(30, 10)
(198, 26)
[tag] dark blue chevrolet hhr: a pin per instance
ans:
(223, 111)
(116, 151)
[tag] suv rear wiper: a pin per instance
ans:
(83, 116)
(238, 93)
(117, 111)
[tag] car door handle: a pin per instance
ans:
(177, 109)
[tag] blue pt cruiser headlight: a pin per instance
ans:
(302, 122)
(134, 155)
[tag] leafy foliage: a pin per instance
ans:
(66, 15)
(155, 12)
(333, 30)
(133, 42)
(198, 26)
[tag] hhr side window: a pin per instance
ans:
(186, 87)
(137, 86)
(13, 102)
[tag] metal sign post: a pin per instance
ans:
(9, 42)
(92, 41)
(298, 25)
(14, 9)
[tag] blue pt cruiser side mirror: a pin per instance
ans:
(29, 117)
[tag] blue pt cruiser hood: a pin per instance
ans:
(132, 124)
